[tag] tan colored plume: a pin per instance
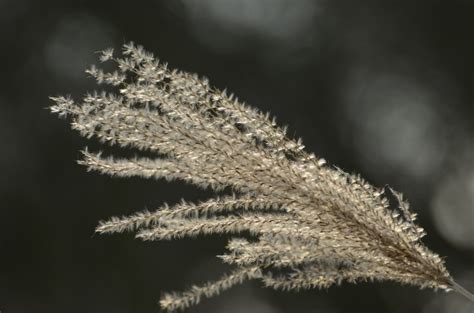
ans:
(306, 224)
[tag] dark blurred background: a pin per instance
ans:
(382, 88)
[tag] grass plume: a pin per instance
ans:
(312, 225)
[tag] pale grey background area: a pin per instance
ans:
(382, 88)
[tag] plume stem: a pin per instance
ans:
(462, 291)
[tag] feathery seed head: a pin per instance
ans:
(313, 223)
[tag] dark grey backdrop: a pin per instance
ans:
(383, 88)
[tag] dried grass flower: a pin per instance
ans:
(306, 224)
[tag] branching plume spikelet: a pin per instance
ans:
(311, 223)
